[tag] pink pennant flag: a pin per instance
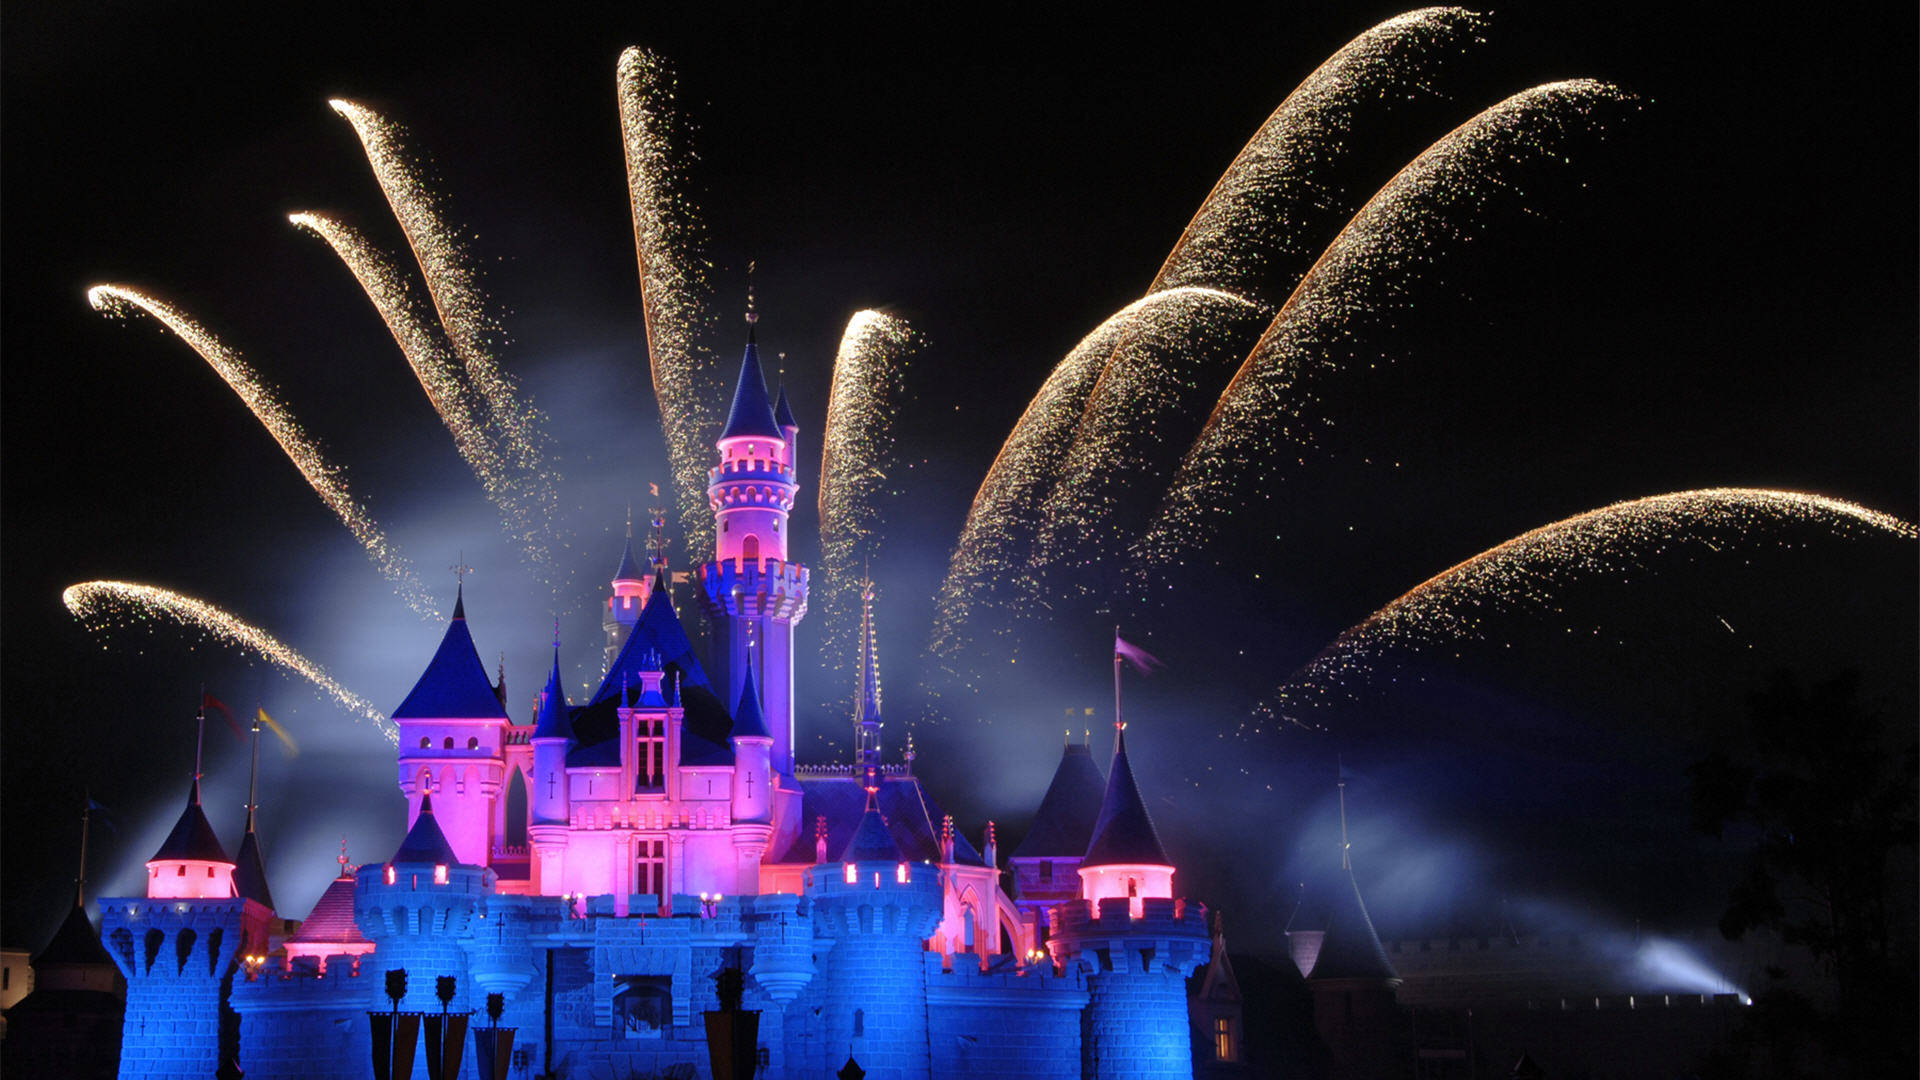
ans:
(1143, 661)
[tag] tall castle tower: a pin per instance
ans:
(752, 593)
(453, 732)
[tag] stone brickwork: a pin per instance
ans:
(300, 1025)
(178, 957)
(1136, 967)
(1017, 1023)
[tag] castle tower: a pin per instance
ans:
(752, 593)
(249, 869)
(877, 908)
(1355, 1007)
(628, 600)
(452, 735)
(552, 734)
(1046, 865)
(414, 908)
(179, 947)
(1136, 944)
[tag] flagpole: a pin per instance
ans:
(1119, 723)
(200, 739)
(80, 883)
(253, 776)
(1346, 863)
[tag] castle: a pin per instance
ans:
(599, 863)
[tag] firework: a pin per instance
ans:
(1371, 270)
(1525, 574)
(427, 353)
(1143, 410)
(675, 294)
(102, 604)
(856, 457)
(447, 268)
(994, 541)
(327, 479)
(1282, 196)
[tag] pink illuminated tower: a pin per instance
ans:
(752, 593)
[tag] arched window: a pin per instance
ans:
(750, 548)
(447, 744)
(473, 743)
(425, 742)
(516, 830)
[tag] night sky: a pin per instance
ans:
(1719, 292)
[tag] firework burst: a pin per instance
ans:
(1268, 412)
(675, 292)
(1525, 574)
(1276, 204)
(856, 459)
(446, 266)
(100, 605)
(327, 479)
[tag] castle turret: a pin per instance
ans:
(1136, 944)
(1124, 858)
(753, 594)
(249, 868)
(452, 738)
(1046, 863)
(628, 599)
(1355, 1006)
(415, 907)
(179, 947)
(877, 908)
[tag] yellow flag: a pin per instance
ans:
(293, 748)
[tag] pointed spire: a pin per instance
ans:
(752, 413)
(629, 566)
(783, 412)
(869, 690)
(1124, 832)
(1351, 948)
(552, 719)
(455, 682)
(1063, 826)
(460, 602)
(425, 843)
(748, 721)
(872, 841)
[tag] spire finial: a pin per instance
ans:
(629, 521)
(556, 634)
(752, 315)
(343, 857)
(199, 742)
(1346, 849)
(461, 570)
(86, 816)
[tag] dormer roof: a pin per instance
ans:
(1063, 826)
(425, 843)
(192, 838)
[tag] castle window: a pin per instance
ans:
(1223, 1039)
(180, 871)
(390, 874)
(209, 871)
(440, 874)
(1046, 870)
(900, 873)
(853, 873)
(425, 742)
(448, 744)
(651, 869)
(859, 1023)
(473, 744)
(750, 548)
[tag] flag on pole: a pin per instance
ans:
(1143, 661)
(653, 490)
(208, 701)
(99, 813)
(292, 748)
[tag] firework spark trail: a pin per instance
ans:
(994, 542)
(856, 458)
(675, 293)
(100, 604)
(1524, 574)
(327, 479)
(446, 267)
(1144, 409)
(1369, 273)
(399, 307)
(1281, 196)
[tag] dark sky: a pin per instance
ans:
(1720, 292)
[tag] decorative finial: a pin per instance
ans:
(461, 570)
(556, 632)
(629, 521)
(752, 315)
(342, 860)
(909, 746)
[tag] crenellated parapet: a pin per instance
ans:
(299, 1022)
(764, 588)
(1170, 935)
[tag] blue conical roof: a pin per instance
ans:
(872, 841)
(250, 870)
(1124, 834)
(455, 683)
(1063, 826)
(425, 843)
(752, 413)
(553, 721)
(1351, 948)
(629, 566)
(782, 412)
(748, 721)
(192, 838)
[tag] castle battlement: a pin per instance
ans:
(752, 468)
(721, 577)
